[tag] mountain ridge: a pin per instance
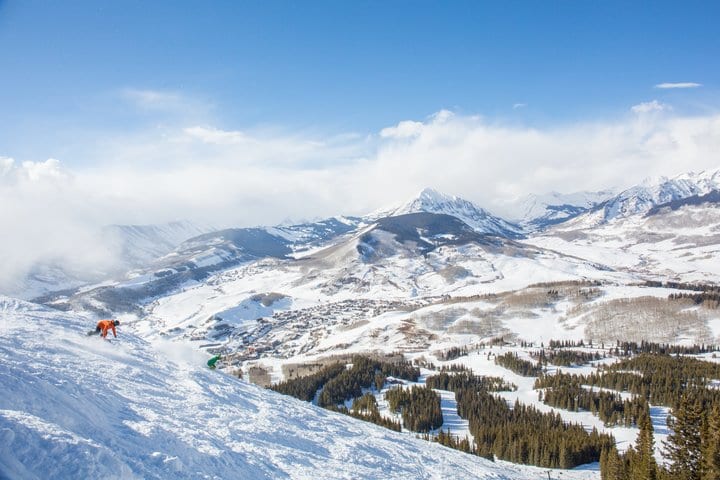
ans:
(432, 201)
(639, 199)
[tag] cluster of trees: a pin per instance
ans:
(699, 287)
(565, 358)
(567, 344)
(452, 441)
(661, 379)
(706, 299)
(566, 392)
(511, 361)
(650, 318)
(365, 372)
(451, 353)
(468, 381)
(365, 408)
(339, 383)
(636, 463)
(624, 349)
(554, 294)
(589, 293)
(455, 368)
(306, 387)
(419, 407)
(693, 447)
(523, 434)
(422, 362)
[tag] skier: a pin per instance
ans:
(211, 363)
(104, 325)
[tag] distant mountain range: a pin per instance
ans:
(177, 251)
(641, 199)
(664, 228)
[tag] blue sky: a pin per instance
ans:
(245, 113)
(338, 67)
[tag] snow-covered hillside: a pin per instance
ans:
(679, 244)
(74, 406)
(368, 294)
(641, 198)
(536, 212)
(432, 201)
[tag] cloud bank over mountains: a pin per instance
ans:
(227, 177)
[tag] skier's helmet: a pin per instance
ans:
(116, 322)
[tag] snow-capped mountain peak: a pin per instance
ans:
(641, 198)
(654, 191)
(430, 200)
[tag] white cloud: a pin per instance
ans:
(519, 105)
(411, 128)
(48, 217)
(652, 106)
(37, 171)
(251, 177)
(29, 171)
(678, 85)
(442, 116)
(6, 165)
(404, 129)
(216, 136)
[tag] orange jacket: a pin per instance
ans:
(104, 326)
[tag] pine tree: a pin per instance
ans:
(711, 446)
(644, 467)
(683, 445)
(614, 467)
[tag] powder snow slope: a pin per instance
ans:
(74, 406)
